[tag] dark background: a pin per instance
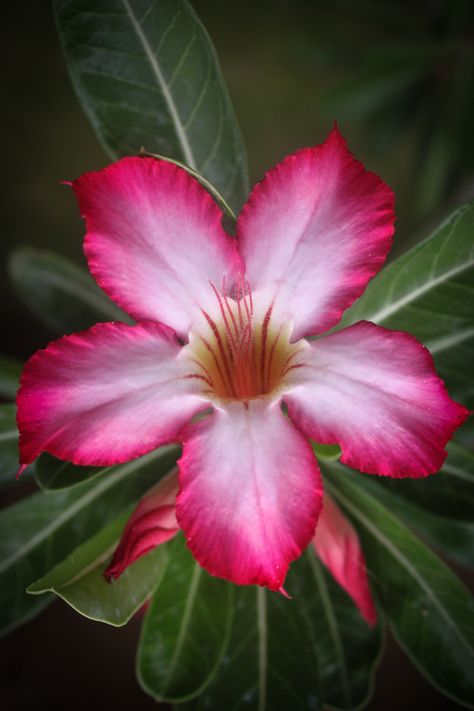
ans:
(398, 76)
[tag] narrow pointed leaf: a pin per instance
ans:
(429, 609)
(10, 370)
(79, 579)
(52, 474)
(429, 292)
(146, 74)
(309, 652)
(62, 295)
(8, 446)
(38, 532)
(186, 629)
(453, 539)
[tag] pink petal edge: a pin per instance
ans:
(375, 392)
(313, 233)
(250, 494)
(154, 240)
(98, 398)
(337, 544)
(152, 523)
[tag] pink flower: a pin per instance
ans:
(238, 312)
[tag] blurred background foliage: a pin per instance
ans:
(397, 76)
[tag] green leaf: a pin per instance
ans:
(327, 452)
(79, 580)
(8, 445)
(186, 629)
(429, 292)
(429, 610)
(298, 654)
(65, 297)
(38, 532)
(9, 376)
(146, 74)
(453, 539)
(449, 493)
(52, 474)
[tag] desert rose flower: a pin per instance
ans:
(238, 313)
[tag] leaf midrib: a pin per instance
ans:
(80, 291)
(326, 602)
(97, 490)
(155, 66)
(395, 306)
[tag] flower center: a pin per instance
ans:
(239, 353)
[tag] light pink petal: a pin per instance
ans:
(337, 544)
(152, 523)
(154, 239)
(104, 396)
(250, 493)
(375, 392)
(313, 233)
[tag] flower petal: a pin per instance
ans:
(104, 396)
(250, 493)
(154, 239)
(337, 544)
(313, 233)
(152, 523)
(375, 392)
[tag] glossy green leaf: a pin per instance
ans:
(186, 629)
(429, 610)
(38, 532)
(309, 652)
(79, 579)
(10, 370)
(8, 445)
(429, 292)
(449, 493)
(52, 474)
(146, 74)
(65, 297)
(451, 538)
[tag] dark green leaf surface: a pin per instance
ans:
(79, 579)
(186, 629)
(40, 531)
(9, 376)
(147, 75)
(449, 493)
(429, 610)
(309, 652)
(452, 538)
(429, 291)
(65, 297)
(8, 445)
(52, 474)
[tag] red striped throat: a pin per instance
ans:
(239, 352)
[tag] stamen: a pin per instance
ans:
(241, 359)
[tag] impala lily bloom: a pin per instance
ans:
(237, 312)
